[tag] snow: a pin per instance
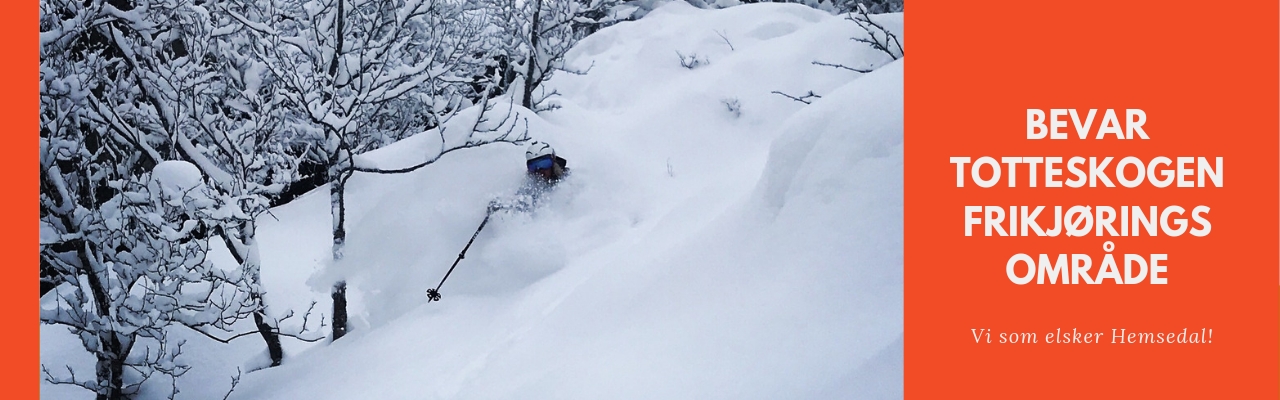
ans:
(176, 177)
(692, 252)
(58, 343)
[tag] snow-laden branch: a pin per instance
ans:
(504, 131)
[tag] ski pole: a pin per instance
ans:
(434, 294)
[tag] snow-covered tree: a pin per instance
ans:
(361, 74)
(537, 34)
(132, 267)
(166, 124)
(590, 16)
(239, 136)
(123, 231)
(126, 87)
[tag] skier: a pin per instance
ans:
(544, 170)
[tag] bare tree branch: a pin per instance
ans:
(878, 38)
(803, 99)
(726, 40)
(841, 66)
(235, 381)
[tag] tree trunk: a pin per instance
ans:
(337, 48)
(270, 335)
(110, 368)
(245, 253)
(339, 309)
(337, 203)
(338, 180)
(532, 61)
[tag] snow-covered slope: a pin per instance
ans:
(693, 253)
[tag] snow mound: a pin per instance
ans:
(176, 177)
